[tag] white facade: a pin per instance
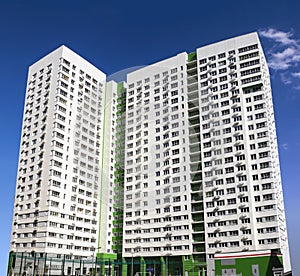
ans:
(201, 135)
(201, 166)
(157, 214)
(60, 184)
(242, 185)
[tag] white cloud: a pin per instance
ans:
(296, 74)
(284, 54)
(297, 87)
(279, 36)
(285, 78)
(285, 146)
(282, 60)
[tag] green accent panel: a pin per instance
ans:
(102, 270)
(120, 87)
(163, 266)
(12, 257)
(124, 267)
(192, 56)
(192, 266)
(106, 256)
(117, 238)
(187, 264)
(142, 266)
(119, 106)
(118, 221)
(115, 230)
(244, 265)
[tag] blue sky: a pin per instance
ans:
(115, 35)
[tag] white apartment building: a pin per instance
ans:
(187, 145)
(63, 201)
(157, 196)
(242, 189)
(202, 172)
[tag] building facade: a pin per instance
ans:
(164, 173)
(64, 190)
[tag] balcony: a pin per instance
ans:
(195, 167)
(193, 87)
(192, 105)
(197, 207)
(196, 197)
(193, 113)
(194, 140)
(196, 177)
(195, 157)
(196, 187)
(197, 217)
(192, 70)
(192, 80)
(194, 121)
(198, 248)
(198, 227)
(198, 238)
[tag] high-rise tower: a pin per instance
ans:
(64, 187)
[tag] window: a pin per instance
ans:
(231, 201)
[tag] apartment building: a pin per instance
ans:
(63, 203)
(201, 172)
(168, 172)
